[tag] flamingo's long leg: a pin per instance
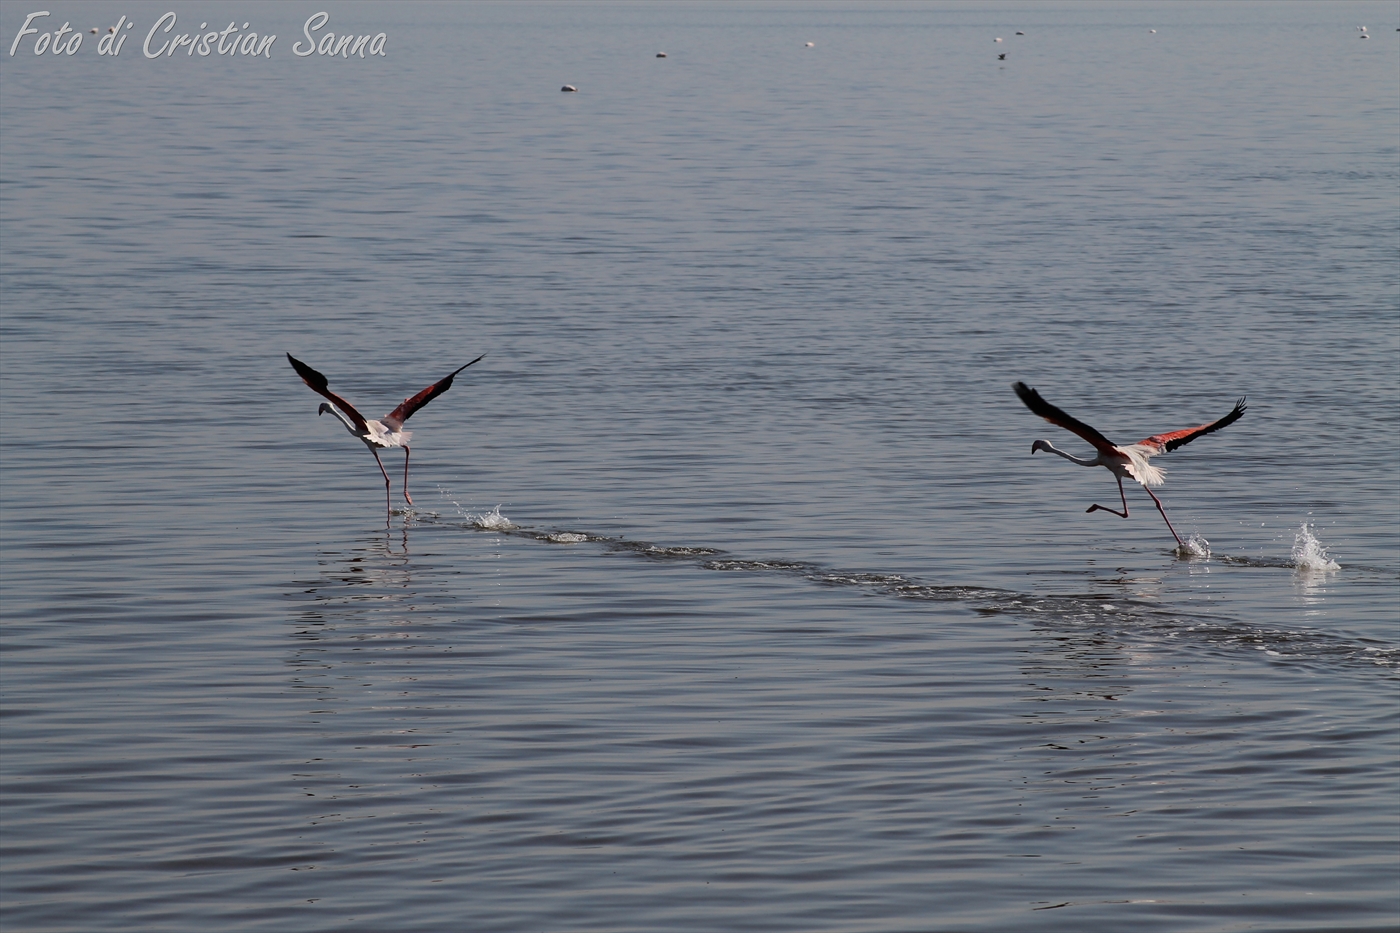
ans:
(388, 506)
(405, 475)
(1121, 495)
(1164, 517)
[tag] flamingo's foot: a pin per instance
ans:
(1096, 508)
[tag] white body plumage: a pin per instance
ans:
(377, 433)
(1129, 461)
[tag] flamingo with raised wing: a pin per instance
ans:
(387, 432)
(1129, 460)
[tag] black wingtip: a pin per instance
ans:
(1032, 400)
(1235, 413)
(307, 374)
(446, 382)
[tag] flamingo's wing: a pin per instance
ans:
(398, 416)
(1173, 439)
(1053, 415)
(318, 382)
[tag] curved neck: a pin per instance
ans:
(1046, 445)
(349, 425)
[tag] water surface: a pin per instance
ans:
(732, 598)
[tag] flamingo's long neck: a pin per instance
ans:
(1046, 445)
(349, 425)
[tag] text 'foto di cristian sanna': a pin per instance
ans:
(163, 41)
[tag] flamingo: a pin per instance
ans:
(1130, 460)
(385, 433)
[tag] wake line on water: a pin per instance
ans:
(1120, 615)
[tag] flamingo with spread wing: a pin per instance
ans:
(387, 432)
(1130, 460)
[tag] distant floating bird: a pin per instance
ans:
(810, 45)
(1130, 460)
(568, 89)
(386, 433)
(1002, 57)
(660, 54)
(93, 30)
(1019, 33)
(1153, 31)
(997, 39)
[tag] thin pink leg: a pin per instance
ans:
(1164, 517)
(388, 506)
(405, 475)
(1124, 513)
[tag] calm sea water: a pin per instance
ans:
(732, 598)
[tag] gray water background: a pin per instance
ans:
(835, 652)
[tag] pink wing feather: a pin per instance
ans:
(1171, 440)
(408, 406)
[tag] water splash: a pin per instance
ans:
(1195, 546)
(492, 520)
(1309, 556)
(566, 537)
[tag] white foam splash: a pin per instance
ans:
(567, 537)
(1309, 556)
(492, 520)
(1195, 546)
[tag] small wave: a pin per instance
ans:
(566, 537)
(1241, 560)
(799, 567)
(658, 552)
(1309, 556)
